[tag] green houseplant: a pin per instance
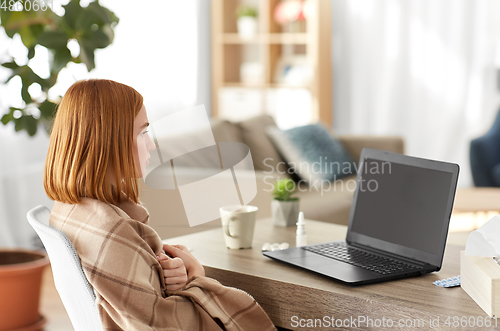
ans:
(91, 27)
(247, 21)
(246, 11)
(285, 207)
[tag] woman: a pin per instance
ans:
(99, 146)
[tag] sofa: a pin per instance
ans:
(326, 202)
(485, 158)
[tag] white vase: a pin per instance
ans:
(285, 213)
(247, 26)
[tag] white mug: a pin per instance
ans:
(238, 224)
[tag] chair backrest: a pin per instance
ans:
(74, 289)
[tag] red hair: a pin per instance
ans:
(91, 144)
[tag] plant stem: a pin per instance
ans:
(29, 21)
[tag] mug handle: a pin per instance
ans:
(226, 228)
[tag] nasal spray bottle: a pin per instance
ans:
(301, 238)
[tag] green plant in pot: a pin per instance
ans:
(247, 21)
(90, 28)
(285, 207)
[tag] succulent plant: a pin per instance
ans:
(246, 11)
(284, 189)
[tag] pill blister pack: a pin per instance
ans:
(448, 282)
(274, 247)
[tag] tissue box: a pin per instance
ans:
(480, 278)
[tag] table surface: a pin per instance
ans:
(294, 297)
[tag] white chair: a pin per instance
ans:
(74, 289)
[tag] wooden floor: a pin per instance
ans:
(51, 306)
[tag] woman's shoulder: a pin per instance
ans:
(91, 212)
(92, 221)
(85, 209)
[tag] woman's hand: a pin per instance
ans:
(174, 271)
(193, 266)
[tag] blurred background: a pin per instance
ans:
(424, 70)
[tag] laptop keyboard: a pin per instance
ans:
(364, 259)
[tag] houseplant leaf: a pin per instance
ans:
(87, 55)
(53, 39)
(61, 57)
(30, 124)
(7, 118)
(47, 109)
(11, 65)
(96, 39)
(71, 13)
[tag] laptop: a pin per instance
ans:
(398, 222)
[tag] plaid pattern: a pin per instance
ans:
(118, 252)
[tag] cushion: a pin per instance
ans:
(264, 155)
(313, 153)
(225, 131)
(207, 157)
(495, 175)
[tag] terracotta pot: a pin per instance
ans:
(20, 283)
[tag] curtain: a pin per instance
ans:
(21, 184)
(161, 48)
(421, 69)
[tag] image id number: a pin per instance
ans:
(25, 5)
(470, 322)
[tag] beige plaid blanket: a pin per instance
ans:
(118, 252)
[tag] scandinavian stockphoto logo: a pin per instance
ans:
(207, 174)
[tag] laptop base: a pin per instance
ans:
(340, 271)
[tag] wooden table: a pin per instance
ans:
(293, 296)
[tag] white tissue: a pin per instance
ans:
(485, 241)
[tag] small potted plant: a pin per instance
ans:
(285, 207)
(247, 21)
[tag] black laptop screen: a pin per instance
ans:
(408, 203)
